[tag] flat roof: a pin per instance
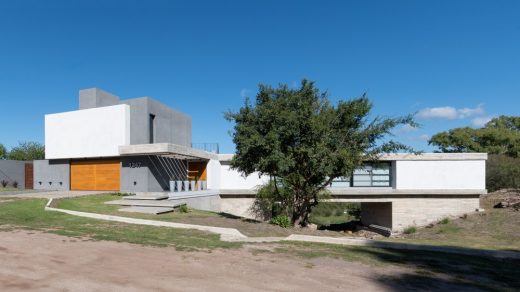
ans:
(409, 156)
(166, 149)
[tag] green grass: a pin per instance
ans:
(427, 270)
(327, 213)
(9, 189)
(30, 214)
(96, 204)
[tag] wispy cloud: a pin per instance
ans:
(480, 121)
(449, 112)
(406, 129)
(244, 92)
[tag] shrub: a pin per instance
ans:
(444, 220)
(15, 184)
(281, 220)
(502, 172)
(184, 209)
(410, 230)
(270, 203)
(4, 183)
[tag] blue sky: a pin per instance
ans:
(456, 63)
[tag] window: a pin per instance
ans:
(151, 125)
(372, 175)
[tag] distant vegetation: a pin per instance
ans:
(500, 137)
(26, 151)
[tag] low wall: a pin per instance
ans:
(52, 175)
(13, 170)
(207, 203)
(396, 213)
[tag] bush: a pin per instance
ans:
(502, 172)
(184, 209)
(444, 220)
(281, 220)
(410, 230)
(15, 184)
(4, 183)
(269, 203)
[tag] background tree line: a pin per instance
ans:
(500, 138)
(23, 151)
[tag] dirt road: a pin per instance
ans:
(40, 261)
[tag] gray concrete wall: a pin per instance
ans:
(377, 213)
(13, 170)
(170, 126)
(145, 174)
(52, 175)
(208, 203)
(95, 97)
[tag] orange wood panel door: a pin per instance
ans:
(95, 175)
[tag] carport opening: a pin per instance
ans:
(352, 217)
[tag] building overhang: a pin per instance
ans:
(409, 156)
(167, 150)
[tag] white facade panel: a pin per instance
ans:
(96, 132)
(232, 180)
(441, 174)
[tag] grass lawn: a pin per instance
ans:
(95, 204)
(9, 189)
(30, 214)
(497, 229)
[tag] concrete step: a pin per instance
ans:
(147, 197)
(147, 210)
(146, 203)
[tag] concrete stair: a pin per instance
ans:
(147, 210)
(151, 197)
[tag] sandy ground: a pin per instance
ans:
(40, 261)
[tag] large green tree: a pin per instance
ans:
(3, 152)
(499, 136)
(27, 151)
(303, 142)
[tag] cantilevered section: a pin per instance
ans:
(166, 149)
(410, 156)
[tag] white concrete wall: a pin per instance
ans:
(95, 132)
(441, 174)
(232, 180)
(213, 174)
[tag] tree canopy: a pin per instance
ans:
(499, 136)
(27, 151)
(3, 152)
(303, 142)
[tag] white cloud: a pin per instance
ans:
(406, 129)
(449, 112)
(480, 121)
(244, 92)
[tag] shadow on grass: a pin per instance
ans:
(231, 216)
(435, 271)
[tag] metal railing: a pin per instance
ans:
(208, 147)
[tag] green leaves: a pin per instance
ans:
(297, 135)
(27, 151)
(500, 136)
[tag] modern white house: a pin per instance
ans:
(142, 146)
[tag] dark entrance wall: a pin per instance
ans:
(13, 170)
(147, 173)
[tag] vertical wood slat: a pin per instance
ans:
(29, 176)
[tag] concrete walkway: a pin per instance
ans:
(232, 234)
(48, 194)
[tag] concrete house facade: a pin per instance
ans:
(140, 145)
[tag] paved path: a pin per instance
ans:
(232, 234)
(47, 194)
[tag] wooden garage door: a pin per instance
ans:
(95, 175)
